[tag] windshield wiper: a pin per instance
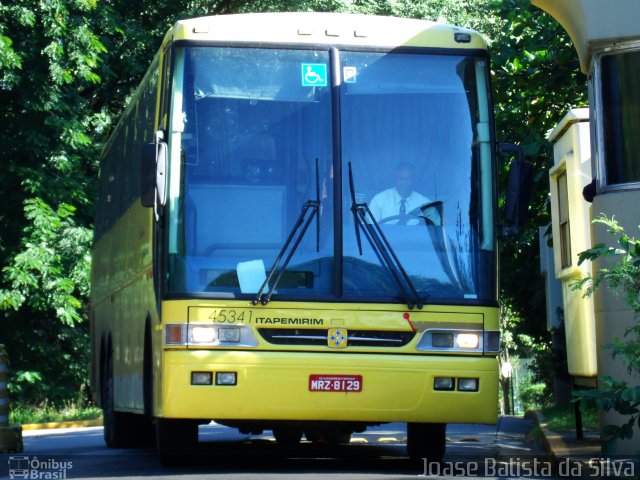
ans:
(381, 247)
(298, 231)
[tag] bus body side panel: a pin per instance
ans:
(123, 296)
(122, 290)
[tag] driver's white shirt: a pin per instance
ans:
(387, 204)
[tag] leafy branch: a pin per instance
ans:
(622, 275)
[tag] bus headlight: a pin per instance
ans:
(442, 340)
(468, 340)
(229, 334)
(208, 335)
(202, 334)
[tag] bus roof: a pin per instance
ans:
(325, 29)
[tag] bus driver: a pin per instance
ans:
(393, 205)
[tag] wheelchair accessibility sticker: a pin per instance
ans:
(314, 75)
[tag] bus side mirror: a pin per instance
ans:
(518, 194)
(153, 174)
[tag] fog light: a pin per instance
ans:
(443, 383)
(226, 378)
(442, 340)
(203, 334)
(468, 384)
(468, 340)
(201, 378)
(229, 334)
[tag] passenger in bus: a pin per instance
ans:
(395, 205)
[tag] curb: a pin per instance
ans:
(551, 441)
(69, 424)
(575, 458)
(557, 444)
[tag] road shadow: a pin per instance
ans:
(225, 458)
(221, 453)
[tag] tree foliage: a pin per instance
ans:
(536, 81)
(622, 276)
(50, 57)
(67, 69)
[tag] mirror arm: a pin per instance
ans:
(505, 148)
(519, 186)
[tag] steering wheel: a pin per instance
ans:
(402, 219)
(406, 218)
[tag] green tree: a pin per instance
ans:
(622, 275)
(67, 69)
(50, 54)
(536, 79)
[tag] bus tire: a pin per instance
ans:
(145, 432)
(426, 441)
(313, 435)
(117, 433)
(147, 371)
(287, 435)
(337, 436)
(175, 440)
(328, 435)
(142, 430)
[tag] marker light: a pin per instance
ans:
(175, 334)
(201, 378)
(202, 334)
(468, 384)
(468, 340)
(226, 378)
(229, 334)
(492, 341)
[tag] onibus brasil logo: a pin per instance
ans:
(34, 468)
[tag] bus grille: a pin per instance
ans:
(357, 338)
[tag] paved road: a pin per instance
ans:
(472, 450)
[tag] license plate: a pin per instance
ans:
(335, 383)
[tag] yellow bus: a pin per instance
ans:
(296, 232)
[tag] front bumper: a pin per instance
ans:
(275, 386)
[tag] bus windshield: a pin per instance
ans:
(412, 129)
(257, 133)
